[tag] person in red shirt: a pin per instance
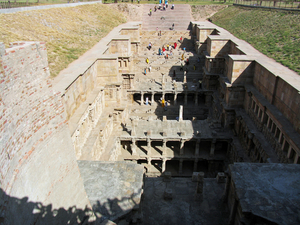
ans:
(175, 45)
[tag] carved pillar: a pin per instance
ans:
(149, 164)
(133, 125)
(180, 166)
(296, 158)
(175, 98)
(142, 98)
(208, 99)
(289, 152)
(133, 146)
(163, 167)
(197, 151)
(148, 146)
(182, 147)
(180, 113)
(185, 98)
(212, 148)
(164, 147)
(152, 98)
(195, 165)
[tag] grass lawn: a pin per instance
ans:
(274, 33)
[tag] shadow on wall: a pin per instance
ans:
(21, 211)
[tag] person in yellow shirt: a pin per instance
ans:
(163, 103)
(147, 61)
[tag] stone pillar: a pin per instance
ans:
(184, 77)
(208, 99)
(289, 152)
(163, 96)
(182, 147)
(175, 98)
(148, 146)
(133, 146)
(149, 164)
(296, 158)
(196, 99)
(164, 147)
(185, 98)
(212, 148)
(180, 166)
(197, 151)
(200, 183)
(152, 98)
(195, 165)
(180, 113)
(133, 125)
(142, 98)
(163, 167)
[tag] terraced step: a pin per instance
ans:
(162, 20)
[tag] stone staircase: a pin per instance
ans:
(161, 65)
(163, 19)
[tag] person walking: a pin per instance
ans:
(173, 26)
(175, 45)
(150, 12)
(149, 69)
(145, 71)
(159, 51)
(147, 61)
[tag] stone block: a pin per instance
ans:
(221, 177)
(167, 176)
(164, 118)
(195, 176)
(168, 194)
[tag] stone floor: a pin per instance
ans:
(184, 208)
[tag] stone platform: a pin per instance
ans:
(113, 188)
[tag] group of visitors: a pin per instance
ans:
(161, 7)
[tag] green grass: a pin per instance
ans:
(274, 33)
(68, 32)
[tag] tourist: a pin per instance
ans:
(147, 61)
(175, 45)
(147, 101)
(180, 39)
(150, 12)
(194, 67)
(167, 47)
(149, 46)
(167, 56)
(163, 49)
(182, 57)
(149, 69)
(155, 8)
(173, 26)
(173, 6)
(166, 106)
(187, 62)
(159, 51)
(163, 103)
(145, 71)
(171, 52)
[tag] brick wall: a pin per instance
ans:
(37, 156)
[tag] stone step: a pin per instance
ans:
(163, 19)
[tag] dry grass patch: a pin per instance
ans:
(68, 32)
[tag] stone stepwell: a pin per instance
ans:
(163, 19)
